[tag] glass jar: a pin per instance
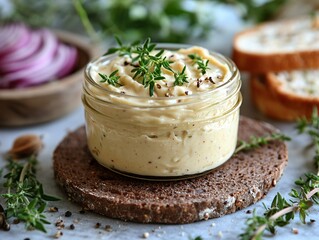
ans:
(162, 137)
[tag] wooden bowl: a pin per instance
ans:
(20, 107)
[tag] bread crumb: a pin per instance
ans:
(220, 234)
(146, 235)
(295, 231)
(59, 224)
(58, 234)
(108, 228)
(76, 220)
(213, 224)
(53, 209)
(274, 182)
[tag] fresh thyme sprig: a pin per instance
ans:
(25, 199)
(112, 79)
(180, 77)
(201, 64)
(282, 211)
(259, 141)
(123, 50)
(147, 67)
(311, 127)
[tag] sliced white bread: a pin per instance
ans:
(286, 96)
(278, 46)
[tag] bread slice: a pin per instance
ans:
(278, 46)
(286, 96)
(240, 182)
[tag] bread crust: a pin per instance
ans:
(240, 182)
(271, 100)
(257, 62)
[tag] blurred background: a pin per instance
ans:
(182, 21)
(34, 55)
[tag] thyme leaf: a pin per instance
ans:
(112, 79)
(147, 65)
(25, 198)
(282, 211)
(260, 141)
(180, 77)
(311, 127)
(201, 64)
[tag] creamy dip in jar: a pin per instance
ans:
(185, 128)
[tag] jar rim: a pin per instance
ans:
(170, 46)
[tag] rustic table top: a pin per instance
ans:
(226, 227)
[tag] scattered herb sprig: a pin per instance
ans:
(112, 79)
(311, 127)
(281, 211)
(180, 77)
(146, 66)
(25, 199)
(259, 141)
(149, 66)
(201, 64)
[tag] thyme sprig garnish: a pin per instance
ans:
(281, 211)
(25, 198)
(123, 50)
(148, 66)
(180, 77)
(112, 79)
(255, 142)
(201, 64)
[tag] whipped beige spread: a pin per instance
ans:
(217, 73)
(180, 130)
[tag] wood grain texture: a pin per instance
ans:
(20, 107)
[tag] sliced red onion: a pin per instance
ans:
(69, 62)
(14, 39)
(64, 57)
(29, 58)
(24, 52)
(38, 60)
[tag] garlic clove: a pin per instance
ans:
(26, 145)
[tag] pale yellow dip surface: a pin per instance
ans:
(217, 72)
(188, 138)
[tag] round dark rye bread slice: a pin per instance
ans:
(238, 183)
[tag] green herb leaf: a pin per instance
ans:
(282, 211)
(149, 67)
(201, 64)
(112, 79)
(180, 77)
(25, 199)
(260, 141)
